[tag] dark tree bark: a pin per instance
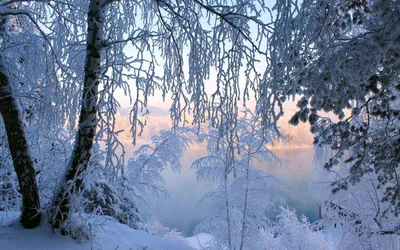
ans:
(23, 164)
(79, 159)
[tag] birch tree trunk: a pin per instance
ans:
(228, 219)
(79, 159)
(17, 143)
(246, 194)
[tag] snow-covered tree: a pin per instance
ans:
(238, 206)
(98, 46)
(343, 57)
(28, 98)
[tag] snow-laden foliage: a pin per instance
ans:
(50, 152)
(9, 196)
(291, 232)
(360, 215)
(288, 232)
(26, 55)
(31, 101)
(155, 227)
(172, 48)
(343, 57)
(101, 196)
(160, 46)
(143, 172)
(237, 208)
(295, 233)
(123, 197)
(32, 71)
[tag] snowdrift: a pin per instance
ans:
(106, 234)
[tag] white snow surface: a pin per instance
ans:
(201, 241)
(107, 235)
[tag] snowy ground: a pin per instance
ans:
(200, 241)
(107, 234)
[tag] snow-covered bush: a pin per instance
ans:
(77, 228)
(295, 233)
(237, 208)
(155, 227)
(359, 217)
(9, 196)
(269, 240)
(104, 199)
